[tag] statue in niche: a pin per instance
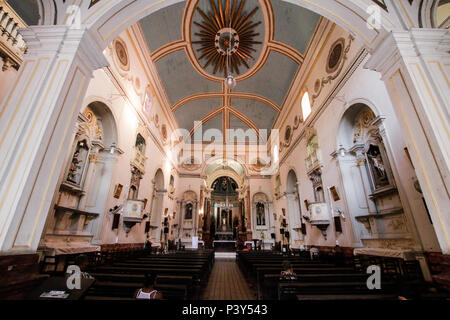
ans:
(77, 163)
(377, 166)
(188, 212)
(140, 143)
(260, 215)
(136, 176)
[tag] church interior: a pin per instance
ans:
(225, 149)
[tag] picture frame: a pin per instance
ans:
(118, 190)
(334, 193)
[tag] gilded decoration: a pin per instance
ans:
(226, 36)
(334, 66)
(121, 54)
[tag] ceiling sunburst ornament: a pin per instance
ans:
(226, 32)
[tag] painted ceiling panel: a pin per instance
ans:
(261, 114)
(195, 111)
(297, 25)
(180, 79)
(273, 79)
(169, 20)
(249, 135)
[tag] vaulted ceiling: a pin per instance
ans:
(266, 43)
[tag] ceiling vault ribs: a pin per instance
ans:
(206, 118)
(242, 95)
(200, 20)
(168, 49)
(225, 120)
(287, 51)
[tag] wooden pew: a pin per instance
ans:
(290, 290)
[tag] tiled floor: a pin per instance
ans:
(226, 282)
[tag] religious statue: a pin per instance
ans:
(76, 165)
(188, 214)
(260, 215)
(377, 166)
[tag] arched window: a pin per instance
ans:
(306, 106)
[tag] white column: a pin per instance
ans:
(37, 117)
(415, 66)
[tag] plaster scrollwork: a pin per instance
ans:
(335, 65)
(120, 56)
(289, 133)
(92, 127)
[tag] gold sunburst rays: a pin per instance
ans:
(227, 32)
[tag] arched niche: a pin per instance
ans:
(260, 211)
(188, 215)
(373, 201)
(108, 123)
(86, 180)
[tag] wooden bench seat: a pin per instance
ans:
(289, 290)
(270, 282)
(128, 289)
(342, 297)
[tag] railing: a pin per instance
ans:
(12, 46)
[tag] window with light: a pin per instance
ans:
(306, 106)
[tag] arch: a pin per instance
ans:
(108, 21)
(159, 179)
(260, 208)
(347, 122)
(109, 126)
(291, 181)
(236, 170)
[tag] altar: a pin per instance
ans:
(224, 245)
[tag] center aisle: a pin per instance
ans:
(226, 282)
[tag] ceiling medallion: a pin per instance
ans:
(226, 36)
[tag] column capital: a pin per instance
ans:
(61, 40)
(410, 44)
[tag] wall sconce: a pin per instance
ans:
(341, 150)
(113, 147)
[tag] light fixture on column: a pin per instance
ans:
(113, 147)
(341, 151)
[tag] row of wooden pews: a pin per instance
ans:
(179, 275)
(325, 279)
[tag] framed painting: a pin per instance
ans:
(118, 190)
(335, 194)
